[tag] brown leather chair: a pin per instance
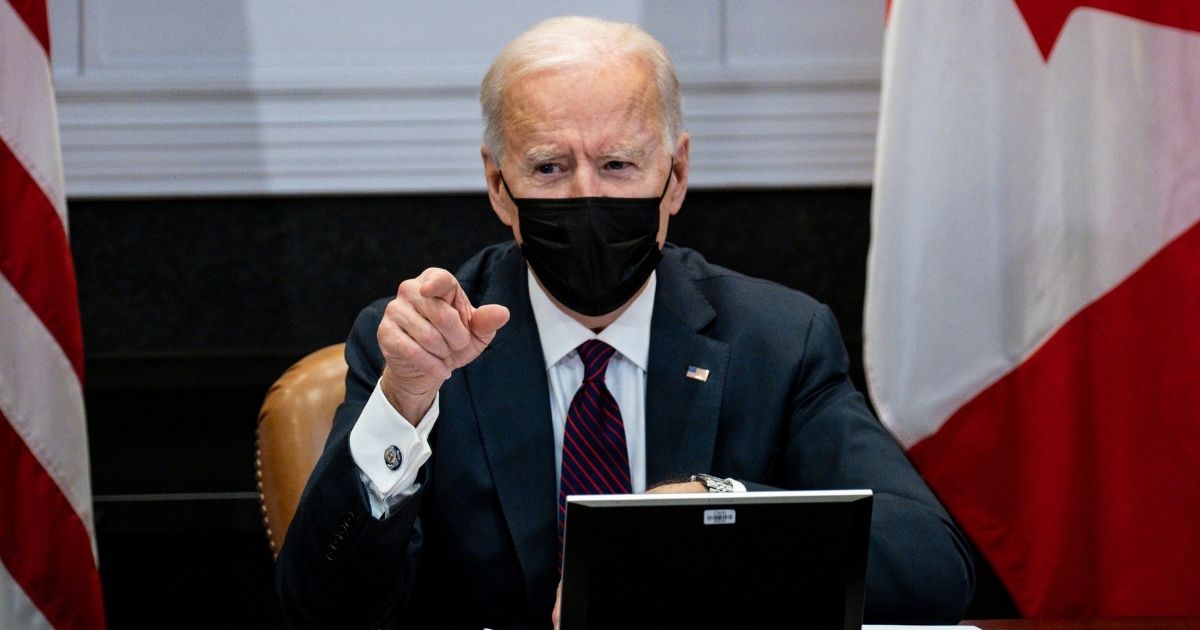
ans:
(292, 427)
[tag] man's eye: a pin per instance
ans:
(617, 165)
(547, 169)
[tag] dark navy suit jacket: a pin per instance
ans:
(475, 545)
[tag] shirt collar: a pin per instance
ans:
(629, 334)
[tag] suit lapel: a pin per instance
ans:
(509, 390)
(681, 412)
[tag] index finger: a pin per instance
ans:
(442, 285)
(438, 283)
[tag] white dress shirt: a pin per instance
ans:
(625, 377)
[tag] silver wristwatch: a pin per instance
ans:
(714, 484)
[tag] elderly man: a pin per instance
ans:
(590, 356)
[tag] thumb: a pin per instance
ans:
(487, 319)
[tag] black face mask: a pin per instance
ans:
(591, 253)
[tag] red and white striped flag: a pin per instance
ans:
(48, 575)
(1033, 308)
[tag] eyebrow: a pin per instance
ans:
(538, 155)
(624, 153)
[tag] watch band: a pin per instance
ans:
(714, 484)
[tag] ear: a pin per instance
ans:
(678, 190)
(501, 202)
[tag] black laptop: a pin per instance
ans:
(719, 560)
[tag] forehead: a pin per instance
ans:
(615, 103)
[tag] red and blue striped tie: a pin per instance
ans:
(595, 459)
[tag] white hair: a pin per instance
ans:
(576, 41)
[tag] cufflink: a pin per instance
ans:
(391, 457)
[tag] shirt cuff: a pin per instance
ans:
(737, 485)
(379, 428)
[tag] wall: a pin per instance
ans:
(177, 97)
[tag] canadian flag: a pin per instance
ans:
(1033, 305)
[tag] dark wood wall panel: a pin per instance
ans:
(192, 307)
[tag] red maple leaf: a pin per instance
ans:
(1046, 18)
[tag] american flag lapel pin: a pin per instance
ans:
(697, 373)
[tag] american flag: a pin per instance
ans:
(48, 572)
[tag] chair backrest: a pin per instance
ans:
(292, 428)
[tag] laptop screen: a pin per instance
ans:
(733, 560)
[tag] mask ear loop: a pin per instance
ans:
(666, 184)
(504, 183)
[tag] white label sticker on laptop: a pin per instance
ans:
(720, 517)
